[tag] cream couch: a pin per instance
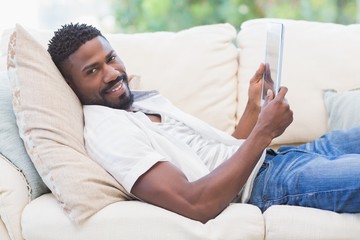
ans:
(205, 71)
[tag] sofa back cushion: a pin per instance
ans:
(317, 56)
(195, 68)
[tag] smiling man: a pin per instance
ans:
(113, 93)
(171, 159)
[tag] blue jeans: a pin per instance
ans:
(322, 174)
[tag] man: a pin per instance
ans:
(170, 159)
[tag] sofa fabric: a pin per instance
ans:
(3, 231)
(299, 223)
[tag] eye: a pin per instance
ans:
(91, 71)
(112, 58)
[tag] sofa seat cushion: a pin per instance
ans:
(43, 219)
(290, 222)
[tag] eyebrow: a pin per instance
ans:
(93, 65)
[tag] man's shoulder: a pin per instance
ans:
(96, 113)
(140, 95)
(89, 109)
(149, 99)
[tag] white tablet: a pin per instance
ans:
(273, 58)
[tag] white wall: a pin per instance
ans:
(51, 14)
(24, 11)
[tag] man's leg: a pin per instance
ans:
(327, 178)
(332, 144)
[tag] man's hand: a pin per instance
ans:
(252, 110)
(275, 115)
(254, 91)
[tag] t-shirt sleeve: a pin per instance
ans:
(121, 147)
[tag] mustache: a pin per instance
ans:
(123, 77)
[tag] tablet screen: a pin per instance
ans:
(273, 58)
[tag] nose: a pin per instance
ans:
(110, 74)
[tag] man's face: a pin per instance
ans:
(98, 76)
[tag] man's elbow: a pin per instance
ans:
(203, 212)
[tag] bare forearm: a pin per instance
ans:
(247, 121)
(215, 191)
(252, 110)
(166, 186)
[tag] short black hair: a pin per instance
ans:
(68, 39)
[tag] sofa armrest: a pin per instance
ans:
(14, 196)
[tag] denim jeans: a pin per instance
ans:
(322, 174)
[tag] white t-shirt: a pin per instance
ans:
(211, 151)
(127, 144)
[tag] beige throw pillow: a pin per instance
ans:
(50, 121)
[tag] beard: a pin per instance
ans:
(124, 101)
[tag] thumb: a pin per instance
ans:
(282, 93)
(269, 97)
(269, 94)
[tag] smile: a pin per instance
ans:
(118, 87)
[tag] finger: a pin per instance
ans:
(258, 74)
(281, 94)
(269, 96)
